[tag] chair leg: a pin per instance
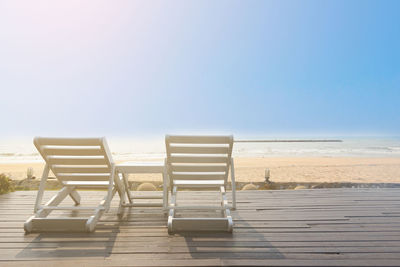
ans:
(233, 187)
(165, 190)
(227, 212)
(92, 221)
(171, 209)
(75, 197)
(127, 190)
(54, 201)
(116, 185)
(42, 186)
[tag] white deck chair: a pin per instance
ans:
(77, 163)
(200, 162)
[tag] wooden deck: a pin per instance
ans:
(359, 227)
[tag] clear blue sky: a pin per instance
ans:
(155, 67)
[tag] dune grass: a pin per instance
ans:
(6, 184)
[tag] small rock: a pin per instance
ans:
(271, 186)
(249, 187)
(300, 187)
(146, 187)
(317, 186)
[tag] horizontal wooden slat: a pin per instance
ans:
(140, 167)
(191, 139)
(88, 184)
(70, 208)
(83, 177)
(198, 207)
(80, 169)
(197, 176)
(198, 168)
(193, 159)
(58, 141)
(194, 183)
(73, 151)
(158, 196)
(76, 161)
(143, 204)
(198, 150)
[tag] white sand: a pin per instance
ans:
(318, 169)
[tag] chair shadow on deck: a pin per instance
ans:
(98, 244)
(218, 245)
(73, 245)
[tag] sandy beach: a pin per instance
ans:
(299, 169)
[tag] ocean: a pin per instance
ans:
(23, 150)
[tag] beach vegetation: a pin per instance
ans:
(5, 184)
(29, 173)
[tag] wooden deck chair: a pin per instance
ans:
(77, 163)
(200, 162)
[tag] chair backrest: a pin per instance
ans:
(76, 159)
(198, 157)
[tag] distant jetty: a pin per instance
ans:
(288, 141)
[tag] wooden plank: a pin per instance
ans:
(201, 237)
(187, 139)
(223, 250)
(72, 151)
(261, 255)
(194, 183)
(198, 159)
(76, 161)
(198, 176)
(292, 246)
(309, 262)
(80, 169)
(83, 177)
(199, 168)
(199, 149)
(125, 261)
(54, 141)
(88, 184)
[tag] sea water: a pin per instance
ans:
(23, 150)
